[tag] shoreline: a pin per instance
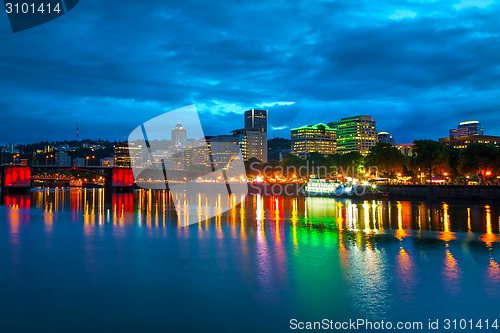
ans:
(468, 192)
(395, 192)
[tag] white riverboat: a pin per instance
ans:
(325, 187)
(321, 186)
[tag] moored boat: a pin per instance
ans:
(326, 187)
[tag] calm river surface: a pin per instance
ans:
(71, 262)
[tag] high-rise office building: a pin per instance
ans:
(126, 156)
(178, 134)
(386, 138)
(223, 149)
(121, 156)
(201, 153)
(256, 145)
(318, 138)
(252, 143)
(256, 119)
(463, 142)
(358, 133)
(466, 128)
(255, 135)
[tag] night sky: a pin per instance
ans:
(418, 67)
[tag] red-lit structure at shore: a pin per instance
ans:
(19, 178)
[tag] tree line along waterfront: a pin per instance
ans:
(431, 162)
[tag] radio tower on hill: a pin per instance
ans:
(77, 130)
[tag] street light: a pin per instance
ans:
(87, 160)
(488, 173)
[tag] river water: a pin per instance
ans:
(72, 262)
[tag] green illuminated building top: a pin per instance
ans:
(357, 133)
(318, 138)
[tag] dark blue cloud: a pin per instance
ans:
(418, 67)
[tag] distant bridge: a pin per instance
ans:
(19, 177)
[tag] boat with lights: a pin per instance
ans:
(327, 187)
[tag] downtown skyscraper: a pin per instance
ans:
(254, 135)
(318, 138)
(355, 134)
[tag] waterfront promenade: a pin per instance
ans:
(480, 192)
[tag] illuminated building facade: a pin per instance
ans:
(211, 152)
(107, 162)
(182, 159)
(386, 138)
(464, 141)
(318, 138)
(256, 119)
(252, 143)
(201, 156)
(62, 159)
(223, 148)
(355, 134)
(122, 153)
(255, 135)
(178, 134)
(255, 144)
(467, 128)
(406, 149)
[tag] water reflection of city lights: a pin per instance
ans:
(400, 232)
(489, 237)
(451, 271)
(446, 235)
(349, 228)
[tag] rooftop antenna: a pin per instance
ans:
(77, 131)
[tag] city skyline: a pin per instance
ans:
(284, 132)
(287, 129)
(106, 66)
(250, 166)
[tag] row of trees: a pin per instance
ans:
(430, 158)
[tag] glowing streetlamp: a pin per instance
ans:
(488, 173)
